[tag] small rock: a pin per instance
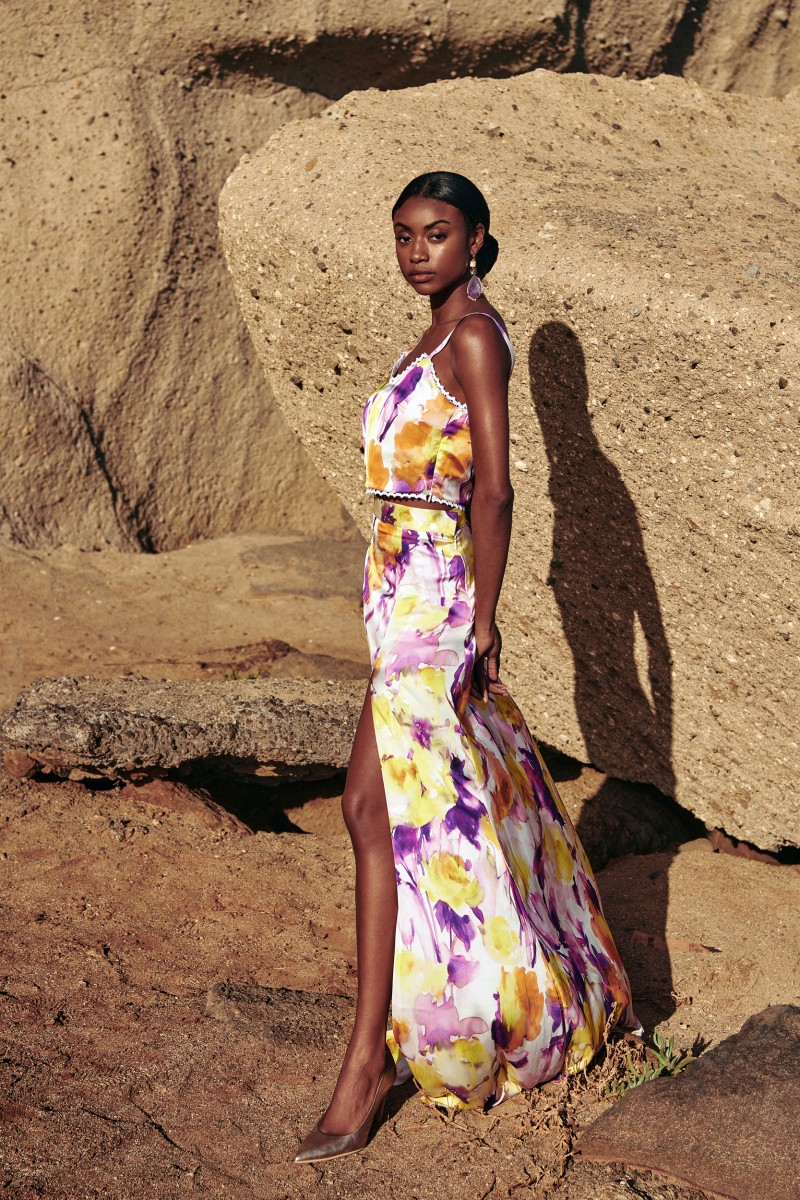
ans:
(194, 803)
(726, 1125)
(19, 764)
(783, 383)
(752, 272)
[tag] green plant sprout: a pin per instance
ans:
(660, 1059)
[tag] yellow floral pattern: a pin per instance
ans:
(506, 973)
(416, 438)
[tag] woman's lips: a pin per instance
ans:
(420, 276)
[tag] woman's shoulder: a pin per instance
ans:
(484, 334)
(484, 328)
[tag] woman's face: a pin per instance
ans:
(433, 244)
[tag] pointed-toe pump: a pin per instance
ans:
(319, 1145)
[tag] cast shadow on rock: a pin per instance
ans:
(608, 603)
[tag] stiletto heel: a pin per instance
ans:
(318, 1145)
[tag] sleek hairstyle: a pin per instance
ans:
(467, 198)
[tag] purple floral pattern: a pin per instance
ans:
(505, 971)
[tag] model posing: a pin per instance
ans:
(477, 912)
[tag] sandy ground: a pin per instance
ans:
(148, 1051)
(147, 1046)
(206, 610)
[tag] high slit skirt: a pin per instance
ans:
(505, 972)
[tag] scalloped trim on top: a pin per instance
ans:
(447, 395)
(399, 374)
(456, 403)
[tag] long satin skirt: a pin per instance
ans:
(505, 972)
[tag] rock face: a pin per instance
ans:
(703, 1128)
(732, 45)
(132, 413)
(699, 966)
(649, 288)
(136, 727)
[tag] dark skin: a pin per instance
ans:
(432, 237)
(434, 246)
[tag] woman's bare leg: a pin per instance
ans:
(364, 809)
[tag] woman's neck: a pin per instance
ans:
(447, 306)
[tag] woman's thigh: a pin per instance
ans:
(364, 799)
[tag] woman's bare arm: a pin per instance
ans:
(479, 362)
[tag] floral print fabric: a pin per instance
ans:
(505, 972)
(416, 438)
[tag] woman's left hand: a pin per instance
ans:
(486, 672)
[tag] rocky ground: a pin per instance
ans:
(148, 1051)
(179, 962)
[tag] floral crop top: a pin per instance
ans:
(416, 435)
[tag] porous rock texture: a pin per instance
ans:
(731, 45)
(118, 727)
(648, 264)
(132, 412)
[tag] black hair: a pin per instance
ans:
(467, 198)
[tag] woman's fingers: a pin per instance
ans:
(486, 677)
(493, 675)
(486, 669)
(478, 684)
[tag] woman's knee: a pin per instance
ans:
(364, 814)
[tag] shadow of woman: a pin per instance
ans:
(611, 618)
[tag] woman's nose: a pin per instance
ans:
(418, 251)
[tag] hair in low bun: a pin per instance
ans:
(462, 193)
(487, 255)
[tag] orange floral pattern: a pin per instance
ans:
(506, 973)
(416, 438)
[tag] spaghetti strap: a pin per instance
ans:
(479, 313)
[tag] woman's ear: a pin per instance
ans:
(476, 240)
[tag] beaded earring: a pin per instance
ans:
(474, 287)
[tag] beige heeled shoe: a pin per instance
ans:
(318, 1145)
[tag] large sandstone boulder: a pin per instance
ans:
(648, 267)
(132, 412)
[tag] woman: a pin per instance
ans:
(477, 913)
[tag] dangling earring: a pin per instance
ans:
(474, 287)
